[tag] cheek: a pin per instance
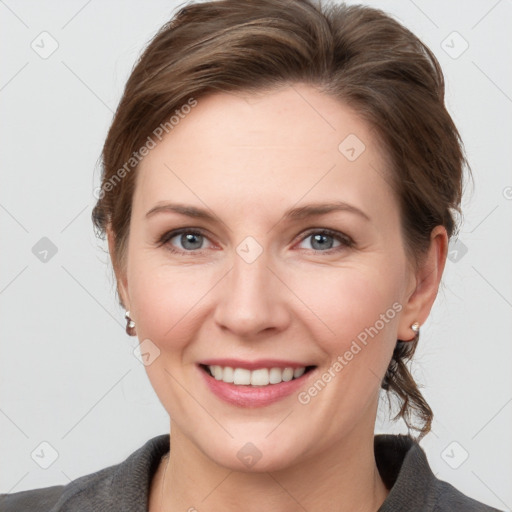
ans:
(166, 302)
(352, 304)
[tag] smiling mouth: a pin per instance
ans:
(259, 377)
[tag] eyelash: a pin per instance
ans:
(345, 241)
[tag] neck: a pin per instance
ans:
(342, 479)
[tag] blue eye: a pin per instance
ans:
(326, 240)
(189, 240)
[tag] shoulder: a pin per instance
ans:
(405, 471)
(40, 500)
(123, 486)
(448, 499)
(50, 499)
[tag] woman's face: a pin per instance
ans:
(290, 256)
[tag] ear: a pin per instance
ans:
(121, 279)
(424, 284)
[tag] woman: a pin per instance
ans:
(279, 188)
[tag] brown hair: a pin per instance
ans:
(356, 54)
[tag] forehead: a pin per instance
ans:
(268, 149)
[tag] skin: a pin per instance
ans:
(249, 158)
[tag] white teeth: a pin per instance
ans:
(298, 372)
(227, 374)
(287, 374)
(242, 376)
(259, 377)
(276, 375)
(217, 372)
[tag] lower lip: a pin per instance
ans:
(252, 396)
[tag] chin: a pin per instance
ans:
(253, 458)
(255, 452)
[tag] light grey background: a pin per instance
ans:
(68, 373)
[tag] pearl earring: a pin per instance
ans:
(130, 324)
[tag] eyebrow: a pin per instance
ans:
(302, 212)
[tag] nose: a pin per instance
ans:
(252, 299)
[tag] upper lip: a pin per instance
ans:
(253, 365)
